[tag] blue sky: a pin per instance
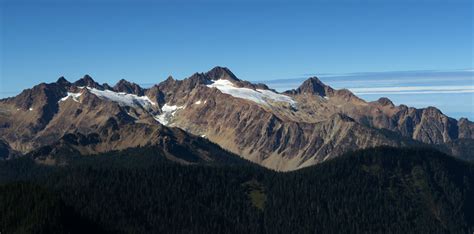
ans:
(145, 41)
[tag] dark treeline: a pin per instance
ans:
(382, 190)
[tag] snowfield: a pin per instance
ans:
(75, 97)
(260, 96)
(168, 112)
(123, 99)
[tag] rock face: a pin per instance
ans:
(173, 143)
(128, 87)
(312, 86)
(282, 131)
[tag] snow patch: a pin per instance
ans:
(198, 102)
(260, 96)
(31, 108)
(168, 112)
(203, 136)
(131, 115)
(123, 99)
(75, 97)
(276, 96)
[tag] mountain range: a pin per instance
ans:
(210, 117)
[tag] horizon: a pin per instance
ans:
(408, 85)
(415, 53)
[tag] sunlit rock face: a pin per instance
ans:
(282, 131)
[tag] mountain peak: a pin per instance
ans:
(128, 87)
(62, 81)
(218, 73)
(432, 111)
(88, 78)
(313, 86)
(122, 82)
(384, 101)
(88, 81)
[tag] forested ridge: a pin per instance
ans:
(381, 190)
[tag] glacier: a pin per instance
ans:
(260, 96)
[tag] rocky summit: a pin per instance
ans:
(215, 114)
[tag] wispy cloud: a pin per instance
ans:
(450, 90)
(399, 74)
(414, 89)
(426, 81)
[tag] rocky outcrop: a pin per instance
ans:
(128, 87)
(87, 81)
(218, 73)
(385, 102)
(465, 129)
(312, 86)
